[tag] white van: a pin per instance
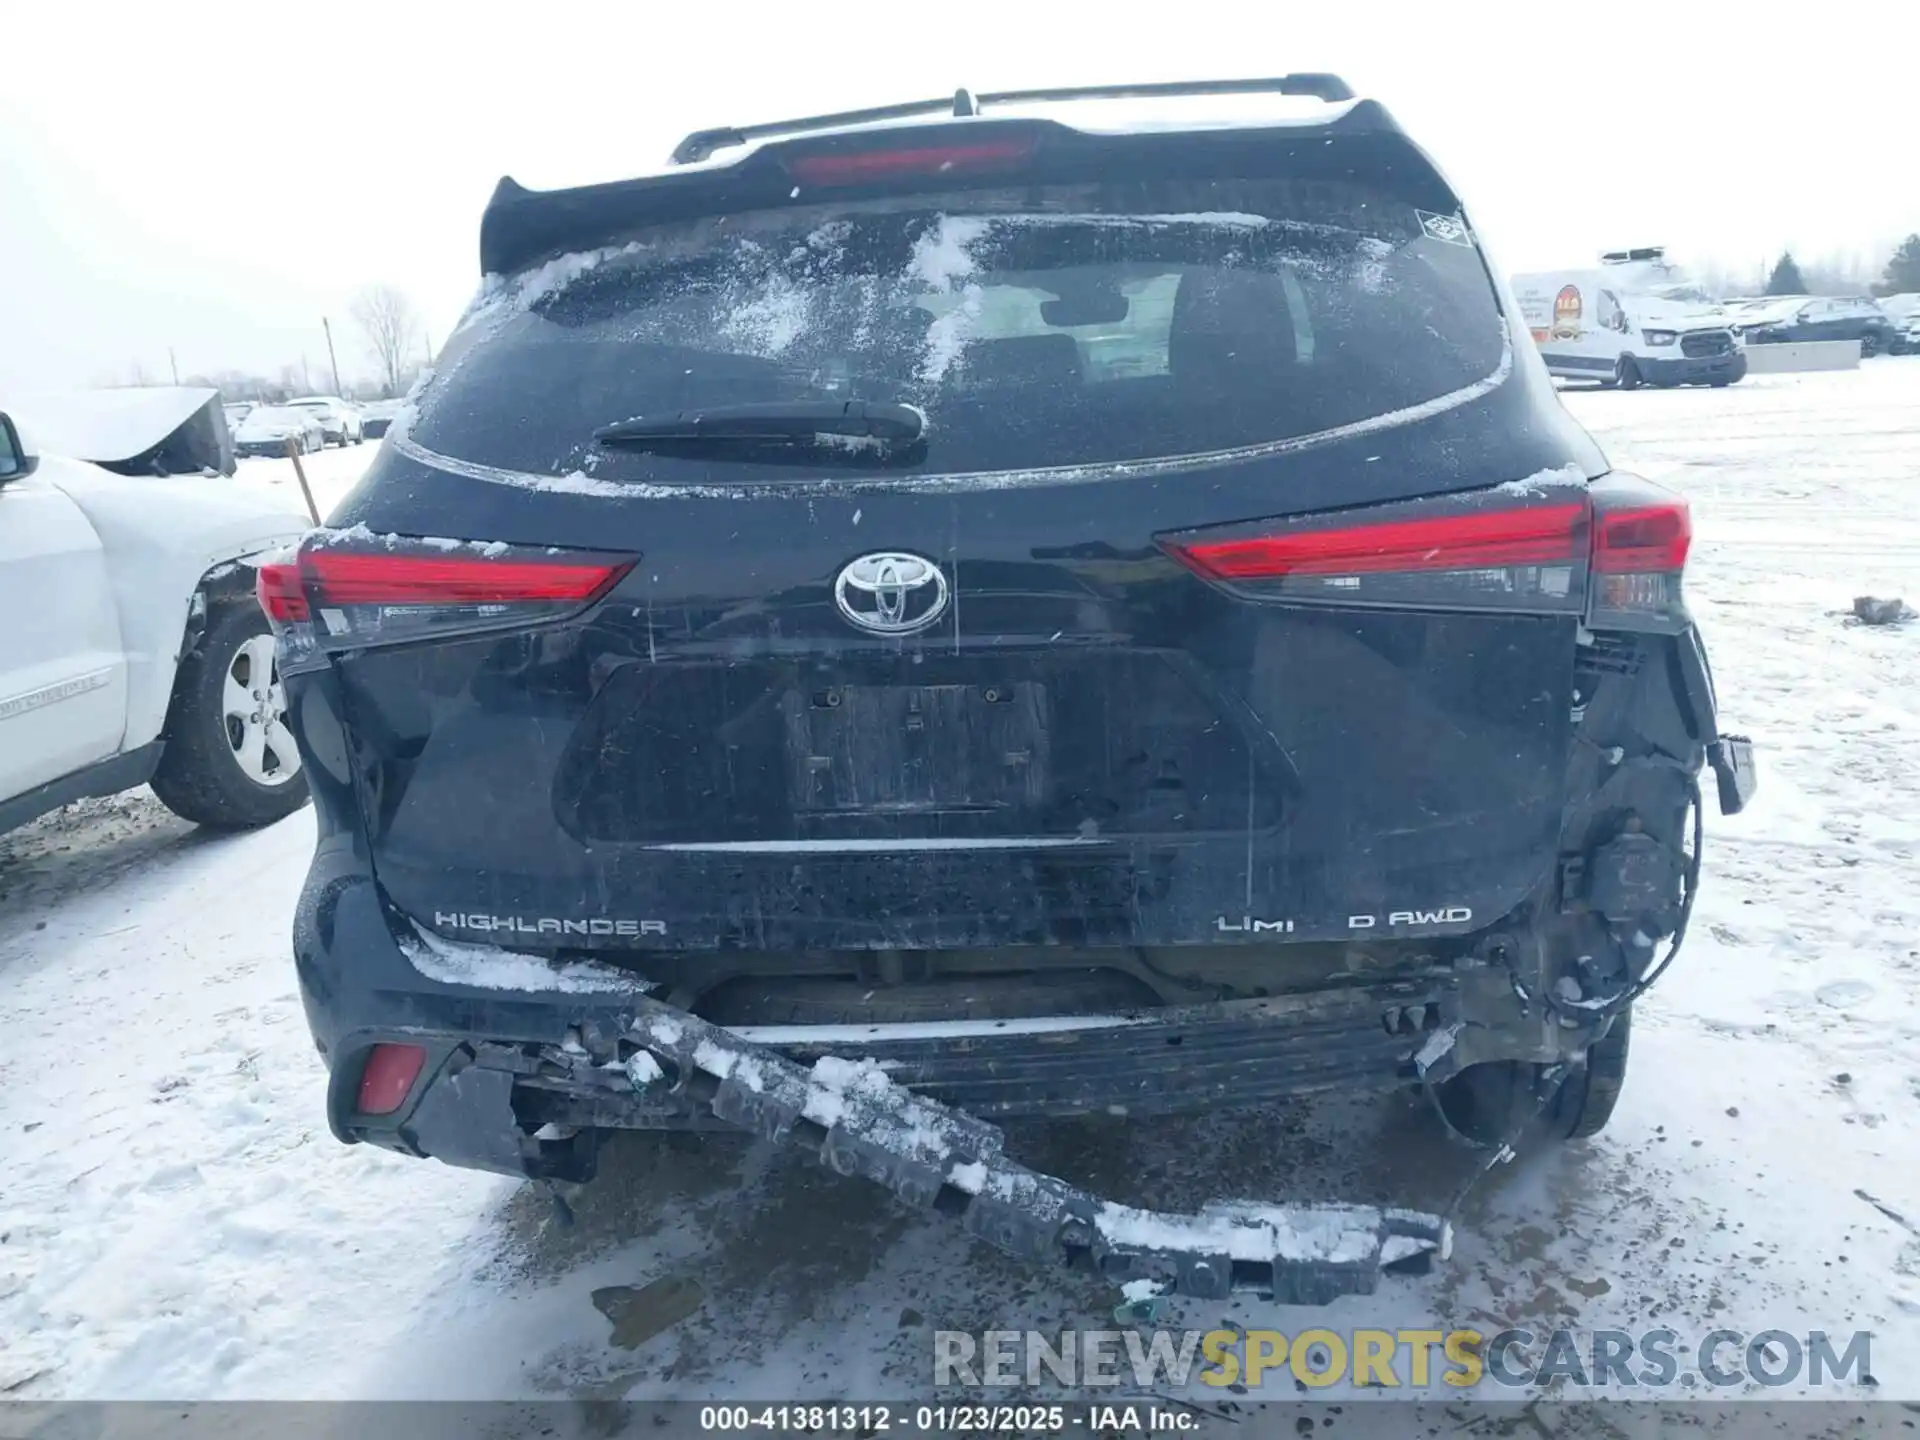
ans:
(1635, 320)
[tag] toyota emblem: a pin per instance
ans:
(891, 593)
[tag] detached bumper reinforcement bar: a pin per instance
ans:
(860, 1123)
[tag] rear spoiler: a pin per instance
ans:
(522, 227)
(702, 143)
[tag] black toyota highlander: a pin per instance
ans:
(993, 608)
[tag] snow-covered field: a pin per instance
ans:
(176, 1222)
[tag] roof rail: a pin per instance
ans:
(702, 143)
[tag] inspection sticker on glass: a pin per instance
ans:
(1450, 228)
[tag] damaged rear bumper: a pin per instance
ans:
(505, 1086)
(523, 1083)
(1180, 1060)
(485, 1090)
(861, 1123)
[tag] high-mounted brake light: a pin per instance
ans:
(868, 167)
(338, 593)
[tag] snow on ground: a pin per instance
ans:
(330, 474)
(175, 1220)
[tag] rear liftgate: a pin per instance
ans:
(860, 1123)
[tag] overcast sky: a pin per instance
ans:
(215, 177)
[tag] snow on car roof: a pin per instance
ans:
(265, 417)
(109, 426)
(1781, 305)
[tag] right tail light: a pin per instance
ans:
(1641, 534)
(1612, 551)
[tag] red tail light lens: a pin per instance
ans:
(1646, 538)
(388, 1077)
(345, 592)
(343, 578)
(871, 167)
(1426, 553)
(277, 584)
(1641, 534)
(1541, 535)
(1475, 551)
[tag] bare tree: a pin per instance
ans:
(391, 327)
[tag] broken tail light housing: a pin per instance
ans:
(348, 591)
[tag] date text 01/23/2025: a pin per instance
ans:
(911, 1419)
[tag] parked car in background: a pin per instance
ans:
(147, 659)
(236, 411)
(1794, 319)
(1904, 311)
(1740, 307)
(1745, 313)
(267, 429)
(339, 421)
(377, 415)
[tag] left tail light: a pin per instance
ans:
(343, 592)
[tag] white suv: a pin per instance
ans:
(147, 659)
(339, 421)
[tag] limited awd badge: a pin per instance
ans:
(891, 593)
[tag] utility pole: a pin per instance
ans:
(332, 359)
(173, 365)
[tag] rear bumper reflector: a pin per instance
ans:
(387, 1078)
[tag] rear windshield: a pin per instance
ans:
(1044, 327)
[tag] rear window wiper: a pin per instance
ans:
(856, 425)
